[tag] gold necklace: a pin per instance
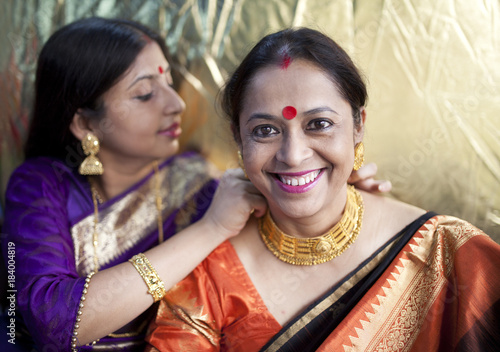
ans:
(96, 199)
(320, 249)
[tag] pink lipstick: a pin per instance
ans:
(298, 182)
(174, 131)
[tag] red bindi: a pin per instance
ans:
(289, 112)
(160, 69)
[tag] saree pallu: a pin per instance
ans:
(438, 291)
(50, 221)
(435, 286)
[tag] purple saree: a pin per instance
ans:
(49, 220)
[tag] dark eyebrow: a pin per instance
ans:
(320, 110)
(140, 78)
(260, 116)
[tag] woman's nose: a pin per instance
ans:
(294, 149)
(173, 102)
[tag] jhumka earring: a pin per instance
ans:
(240, 163)
(91, 165)
(359, 156)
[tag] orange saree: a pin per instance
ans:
(434, 287)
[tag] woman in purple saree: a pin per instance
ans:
(50, 217)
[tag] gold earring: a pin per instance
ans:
(91, 165)
(359, 156)
(240, 163)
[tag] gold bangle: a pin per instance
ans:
(150, 276)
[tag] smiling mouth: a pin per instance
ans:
(298, 180)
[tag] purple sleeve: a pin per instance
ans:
(37, 228)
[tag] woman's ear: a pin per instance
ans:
(359, 130)
(79, 126)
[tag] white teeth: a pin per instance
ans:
(299, 181)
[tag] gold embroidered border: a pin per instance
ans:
(125, 223)
(402, 307)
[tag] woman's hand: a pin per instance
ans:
(234, 201)
(364, 180)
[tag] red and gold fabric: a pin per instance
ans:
(434, 287)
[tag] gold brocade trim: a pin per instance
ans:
(330, 300)
(399, 311)
(126, 222)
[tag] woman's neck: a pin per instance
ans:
(118, 177)
(312, 225)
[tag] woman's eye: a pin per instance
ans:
(265, 131)
(144, 97)
(319, 125)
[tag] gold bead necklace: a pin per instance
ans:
(96, 199)
(320, 249)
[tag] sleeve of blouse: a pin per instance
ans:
(36, 230)
(188, 318)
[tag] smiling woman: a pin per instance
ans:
(328, 265)
(318, 143)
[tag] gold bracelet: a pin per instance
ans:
(150, 276)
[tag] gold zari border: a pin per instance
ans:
(400, 308)
(134, 217)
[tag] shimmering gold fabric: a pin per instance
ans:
(129, 220)
(432, 70)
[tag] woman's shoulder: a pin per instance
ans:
(388, 216)
(39, 175)
(386, 206)
(43, 167)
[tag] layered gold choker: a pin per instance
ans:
(316, 250)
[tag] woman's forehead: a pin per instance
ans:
(299, 82)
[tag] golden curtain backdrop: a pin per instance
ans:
(432, 69)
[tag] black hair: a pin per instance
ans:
(76, 66)
(295, 44)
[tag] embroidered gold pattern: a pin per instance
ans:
(132, 218)
(394, 323)
(430, 279)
